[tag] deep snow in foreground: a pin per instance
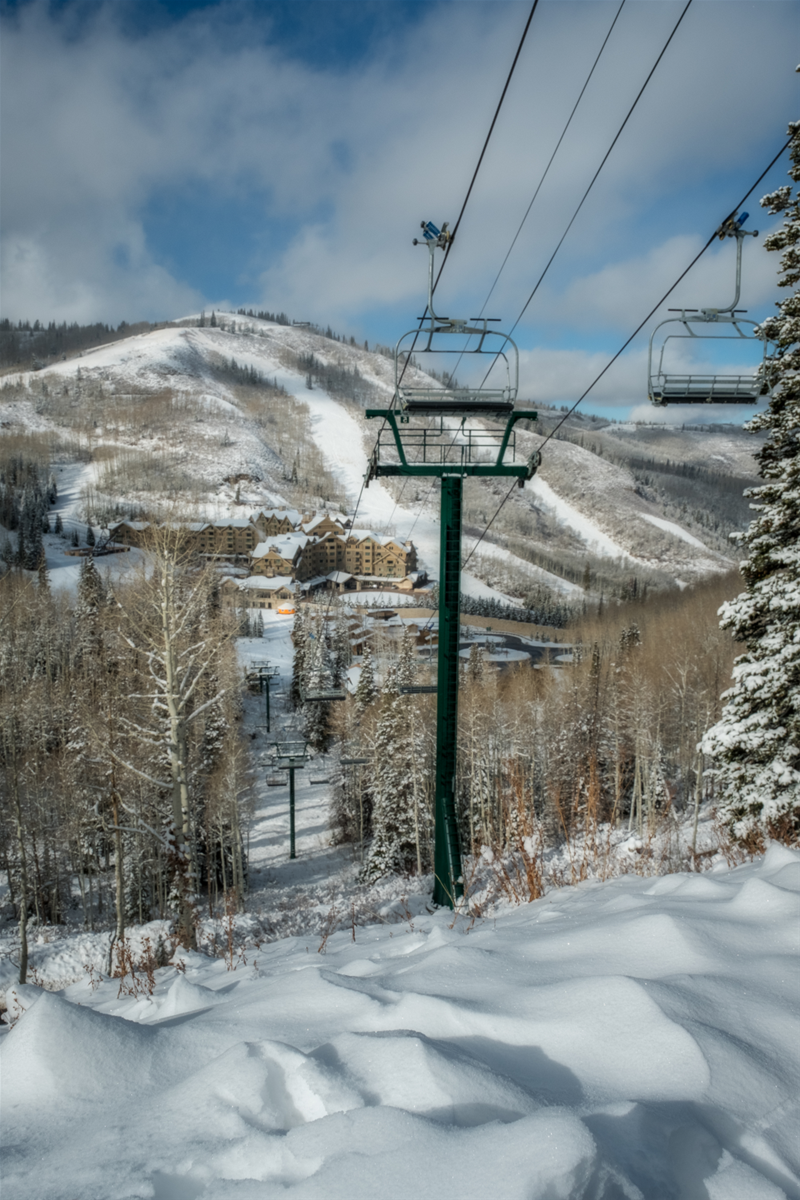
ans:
(636, 1038)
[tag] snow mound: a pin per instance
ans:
(637, 1038)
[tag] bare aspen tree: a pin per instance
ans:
(170, 621)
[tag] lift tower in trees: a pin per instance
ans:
(450, 432)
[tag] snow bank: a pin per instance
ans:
(630, 1039)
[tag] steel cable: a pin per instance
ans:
(637, 330)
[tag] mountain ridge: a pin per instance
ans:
(217, 418)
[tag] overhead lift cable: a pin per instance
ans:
(637, 330)
(592, 182)
(519, 231)
(551, 159)
(594, 178)
(454, 230)
(487, 139)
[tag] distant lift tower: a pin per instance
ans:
(430, 429)
(291, 757)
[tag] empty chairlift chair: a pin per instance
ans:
(669, 387)
(436, 336)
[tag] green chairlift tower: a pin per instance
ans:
(430, 430)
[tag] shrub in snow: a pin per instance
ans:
(756, 744)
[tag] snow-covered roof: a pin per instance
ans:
(362, 534)
(233, 522)
(310, 584)
(320, 517)
(260, 583)
(286, 544)
(380, 578)
(339, 576)
(280, 514)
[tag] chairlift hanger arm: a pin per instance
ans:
(433, 237)
(733, 228)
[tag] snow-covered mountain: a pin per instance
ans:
(249, 413)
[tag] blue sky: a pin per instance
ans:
(161, 157)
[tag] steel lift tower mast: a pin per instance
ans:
(429, 430)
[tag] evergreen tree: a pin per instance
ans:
(299, 635)
(43, 576)
(476, 662)
(30, 527)
(59, 525)
(318, 712)
(91, 591)
(755, 746)
(406, 668)
(396, 815)
(341, 649)
(317, 677)
(90, 538)
(91, 599)
(366, 691)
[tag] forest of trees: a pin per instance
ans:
(32, 346)
(122, 769)
(610, 736)
(25, 500)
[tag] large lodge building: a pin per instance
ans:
(320, 550)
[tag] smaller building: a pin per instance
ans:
(129, 533)
(258, 592)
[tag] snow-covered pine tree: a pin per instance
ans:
(43, 575)
(406, 666)
(395, 787)
(317, 722)
(342, 653)
(299, 639)
(476, 664)
(755, 746)
(366, 691)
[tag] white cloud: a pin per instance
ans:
(619, 295)
(561, 376)
(96, 123)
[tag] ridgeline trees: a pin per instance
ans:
(756, 744)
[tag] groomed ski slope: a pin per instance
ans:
(637, 1038)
